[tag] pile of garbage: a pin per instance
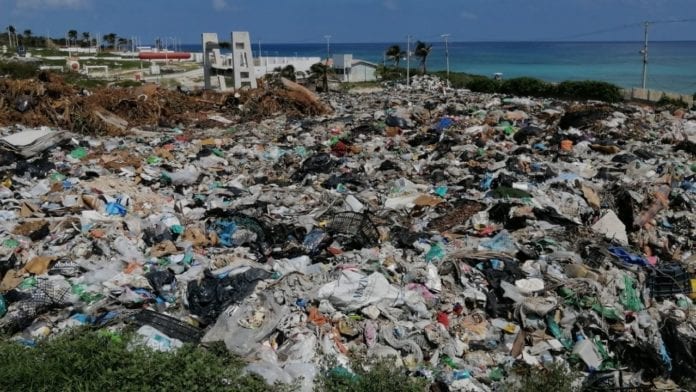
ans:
(50, 101)
(460, 235)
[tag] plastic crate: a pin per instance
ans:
(172, 327)
(355, 225)
(669, 280)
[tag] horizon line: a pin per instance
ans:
(470, 42)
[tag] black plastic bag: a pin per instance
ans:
(208, 297)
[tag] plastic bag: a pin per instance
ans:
(209, 297)
(353, 291)
(241, 340)
(157, 340)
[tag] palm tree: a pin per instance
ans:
(28, 37)
(422, 51)
(11, 32)
(288, 72)
(110, 39)
(122, 42)
(394, 53)
(321, 70)
(85, 38)
(72, 35)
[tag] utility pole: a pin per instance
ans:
(644, 52)
(408, 60)
(446, 36)
(328, 48)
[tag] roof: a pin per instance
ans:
(365, 62)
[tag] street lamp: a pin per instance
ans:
(446, 36)
(328, 47)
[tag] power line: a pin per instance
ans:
(602, 31)
(623, 27)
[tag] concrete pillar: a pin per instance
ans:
(243, 62)
(210, 43)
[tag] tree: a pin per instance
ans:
(110, 39)
(321, 70)
(10, 33)
(394, 53)
(27, 37)
(85, 38)
(122, 42)
(422, 51)
(288, 72)
(72, 35)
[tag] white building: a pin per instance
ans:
(267, 65)
(348, 69)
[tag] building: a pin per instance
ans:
(348, 69)
(267, 65)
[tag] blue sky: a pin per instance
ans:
(305, 21)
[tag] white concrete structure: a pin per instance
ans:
(348, 69)
(212, 59)
(362, 71)
(268, 65)
(103, 68)
(76, 49)
(245, 67)
(242, 61)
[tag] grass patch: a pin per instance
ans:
(18, 69)
(127, 83)
(83, 81)
(93, 360)
(47, 52)
(86, 360)
(113, 64)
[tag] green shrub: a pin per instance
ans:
(389, 73)
(555, 377)
(457, 79)
(18, 69)
(85, 360)
(589, 90)
(526, 87)
(128, 83)
(667, 102)
(483, 85)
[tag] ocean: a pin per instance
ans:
(671, 64)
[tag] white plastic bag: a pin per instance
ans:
(353, 291)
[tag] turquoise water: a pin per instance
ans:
(671, 67)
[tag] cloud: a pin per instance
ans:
(468, 15)
(43, 4)
(219, 5)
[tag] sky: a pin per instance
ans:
(349, 21)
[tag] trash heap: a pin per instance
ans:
(463, 236)
(50, 101)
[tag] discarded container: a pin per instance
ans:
(566, 145)
(668, 280)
